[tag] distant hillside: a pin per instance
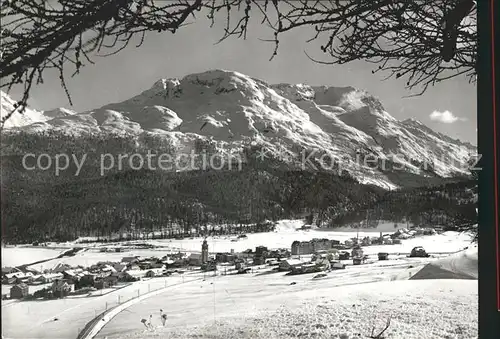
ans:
(452, 206)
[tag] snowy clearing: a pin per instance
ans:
(21, 255)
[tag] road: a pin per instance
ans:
(95, 325)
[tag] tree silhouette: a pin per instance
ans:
(425, 41)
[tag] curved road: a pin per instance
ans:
(35, 319)
(95, 325)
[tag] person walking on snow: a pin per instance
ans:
(150, 322)
(163, 317)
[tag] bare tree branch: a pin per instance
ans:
(379, 335)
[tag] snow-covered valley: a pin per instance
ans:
(264, 303)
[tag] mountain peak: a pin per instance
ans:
(233, 110)
(59, 112)
(9, 105)
(413, 121)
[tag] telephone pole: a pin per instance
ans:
(366, 225)
(357, 233)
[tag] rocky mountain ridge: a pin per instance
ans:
(231, 111)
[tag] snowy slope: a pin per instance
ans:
(461, 265)
(7, 105)
(269, 307)
(233, 110)
(29, 116)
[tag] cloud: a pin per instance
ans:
(445, 117)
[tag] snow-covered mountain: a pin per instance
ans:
(232, 110)
(29, 116)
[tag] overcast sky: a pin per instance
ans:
(449, 108)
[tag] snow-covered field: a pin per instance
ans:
(20, 255)
(234, 304)
(345, 304)
(239, 309)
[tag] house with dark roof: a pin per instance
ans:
(130, 260)
(19, 291)
(8, 270)
(50, 277)
(106, 282)
(12, 278)
(61, 288)
(289, 264)
(61, 267)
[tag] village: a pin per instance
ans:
(319, 255)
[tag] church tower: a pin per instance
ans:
(204, 251)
